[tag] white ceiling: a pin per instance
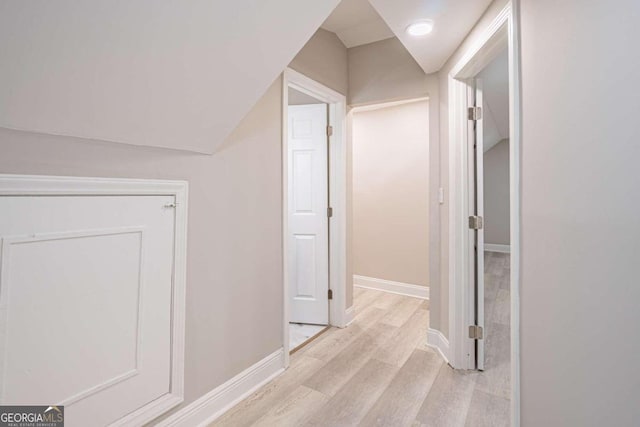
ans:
(183, 74)
(356, 22)
(495, 93)
(149, 72)
(453, 19)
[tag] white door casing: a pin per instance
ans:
(308, 231)
(502, 31)
(91, 296)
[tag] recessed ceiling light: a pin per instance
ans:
(420, 28)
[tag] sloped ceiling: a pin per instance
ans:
(453, 19)
(162, 73)
(356, 22)
(495, 93)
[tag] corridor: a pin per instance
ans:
(379, 371)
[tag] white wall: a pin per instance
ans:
(580, 202)
(494, 79)
(496, 194)
(391, 193)
(495, 100)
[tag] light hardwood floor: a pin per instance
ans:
(380, 372)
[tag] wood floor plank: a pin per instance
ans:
(448, 400)
(385, 300)
(404, 341)
(345, 364)
(364, 298)
(500, 309)
(496, 376)
(350, 404)
(377, 371)
(402, 399)
(505, 278)
(257, 404)
(487, 410)
(332, 343)
(400, 312)
(295, 410)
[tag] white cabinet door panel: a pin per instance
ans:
(85, 303)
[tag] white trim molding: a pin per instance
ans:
(392, 287)
(215, 403)
(437, 341)
(338, 196)
(43, 185)
(491, 247)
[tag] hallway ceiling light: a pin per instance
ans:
(420, 28)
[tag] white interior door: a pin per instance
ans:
(308, 224)
(478, 235)
(85, 303)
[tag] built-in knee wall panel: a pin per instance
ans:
(87, 303)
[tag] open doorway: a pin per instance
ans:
(314, 243)
(308, 219)
(491, 203)
(390, 197)
(484, 317)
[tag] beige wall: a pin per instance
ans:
(391, 193)
(231, 322)
(296, 97)
(381, 72)
(384, 71)
(234, 279)
(324, 59)
(580, 287)
(496, 194)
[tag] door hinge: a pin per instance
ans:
(329, 212)
(330, 294)
(475, 222)
(474, 113)
(475, 332)
(329, 130)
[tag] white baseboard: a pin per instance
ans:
(222, 398)
(436, 340)
(392, 287)
(349, 315)
(490, 247)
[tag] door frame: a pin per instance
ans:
(502, 32)
(43, 185)
(337, 102)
